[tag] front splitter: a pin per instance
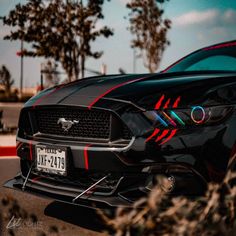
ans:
(62, 195)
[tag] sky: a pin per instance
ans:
(195, 24)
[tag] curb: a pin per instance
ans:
(8, 151)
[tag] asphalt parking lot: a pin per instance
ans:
(53, 218)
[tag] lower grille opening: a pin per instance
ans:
(83, 180)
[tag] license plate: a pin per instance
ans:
(51, 160)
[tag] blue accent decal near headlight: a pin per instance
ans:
(175, 116)
(161, 120)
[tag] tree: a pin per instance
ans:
(59, 29)
(149, 30)
(50, 74)
(5, 80)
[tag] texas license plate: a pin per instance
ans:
(51, 159)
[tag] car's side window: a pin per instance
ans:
(218, 62)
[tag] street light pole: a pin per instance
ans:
(21, 69)
(41, 75)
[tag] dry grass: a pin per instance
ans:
(9, 208)
(158, 214)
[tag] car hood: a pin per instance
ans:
(142, 91)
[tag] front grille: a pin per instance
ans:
(92, 124)
(83, 180)
(126, 133)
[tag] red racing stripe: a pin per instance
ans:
(37, 102)
(172, 134)
(86, 161)
(176, 102)
(164, 133)
(224, 45)
(158, 104)
(112, 89)
(19, 145)
(36, 178)
(155, 132)
(169, 67)
(167, 104)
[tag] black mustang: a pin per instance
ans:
(101, 141)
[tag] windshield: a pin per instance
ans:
(221, 57)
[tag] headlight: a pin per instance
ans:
(167, 119)
(194, 116)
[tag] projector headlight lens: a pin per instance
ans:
(198, 115)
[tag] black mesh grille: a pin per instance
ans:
(126, 133)
(92, 124)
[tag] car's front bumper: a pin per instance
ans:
(126, 189)
(66, 194)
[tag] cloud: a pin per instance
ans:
(196, 17)
(229, 16)
(210, 17)
(212, 25)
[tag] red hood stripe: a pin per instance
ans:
(37, 102)
(223, 45)
(112, 89)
